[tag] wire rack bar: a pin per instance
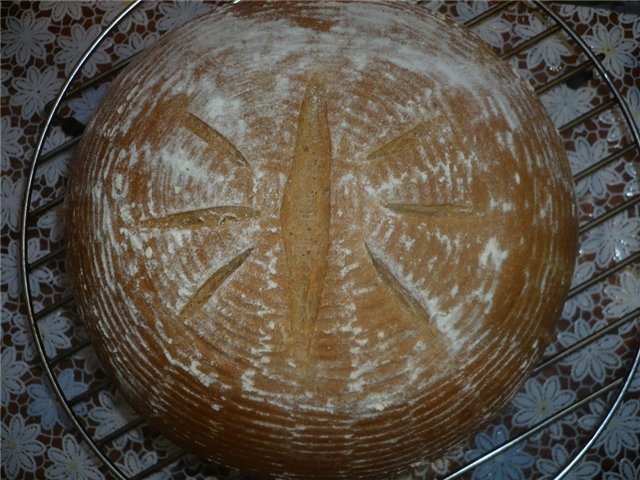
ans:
(51, 154)
(44, 259)
(165, 462)
(118, 432)
(611, 213)
(605, 421)
(487, 13)
(530, 42)
(585, 116)
(88, 393)
(496, 9)
(631, 259)
(568, 75)
(36, 212)
(603, 163)
(115, 68)
(586, 340)
(68, 353)
(64, 301)
(23, 241)
(636, 138)
(536, 428)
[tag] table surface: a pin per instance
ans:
(41, 42)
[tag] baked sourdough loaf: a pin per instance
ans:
(320, 240)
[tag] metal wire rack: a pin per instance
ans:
(102, 443)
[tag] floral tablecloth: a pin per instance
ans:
(41, 42)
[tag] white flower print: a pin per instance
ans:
(5, 76)
(60, 9)
(11, 147)
(72, 462)
(42, 275)
(84, 106)
(584, 470)
(635, 383)
(491, 30)
(71, 387)
(176, 13)
(524, 72)
(25, 38)
(53, 330)
(631, 326)
(54, 170)
(541, 400)
(626, 471)
(550, 50)
(622, 431)
(53, 221)
(20, 447)
(582, 301)
(135, 44)
(617, 130)
(632, 187)
(112, 414)
(419, 470)
(7, 315)
(613, 240)
(12, 372)
(22, 336)
(565, 104)
(508, 465)
(595, 359)
(11, 205)
(37, 277)
(586, 153)
(58, 167)
(135, 463)
(35, 89)
(161, 443)
(585, 14)
(618, 51)
(9, 264)
(633, 102)
(583, 271)
(551, 349)
(442, 466)
(597, 184)
(112, 9)
(44, 404)
(55, 138)
(89, 359)
(626, 296)
(73, 47)
(469, 10)
(615, 120)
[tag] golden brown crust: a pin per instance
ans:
(320, 231)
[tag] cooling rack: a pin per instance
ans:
(577, 67)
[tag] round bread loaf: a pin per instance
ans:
(319, 240)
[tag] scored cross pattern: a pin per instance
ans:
(305, 216)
